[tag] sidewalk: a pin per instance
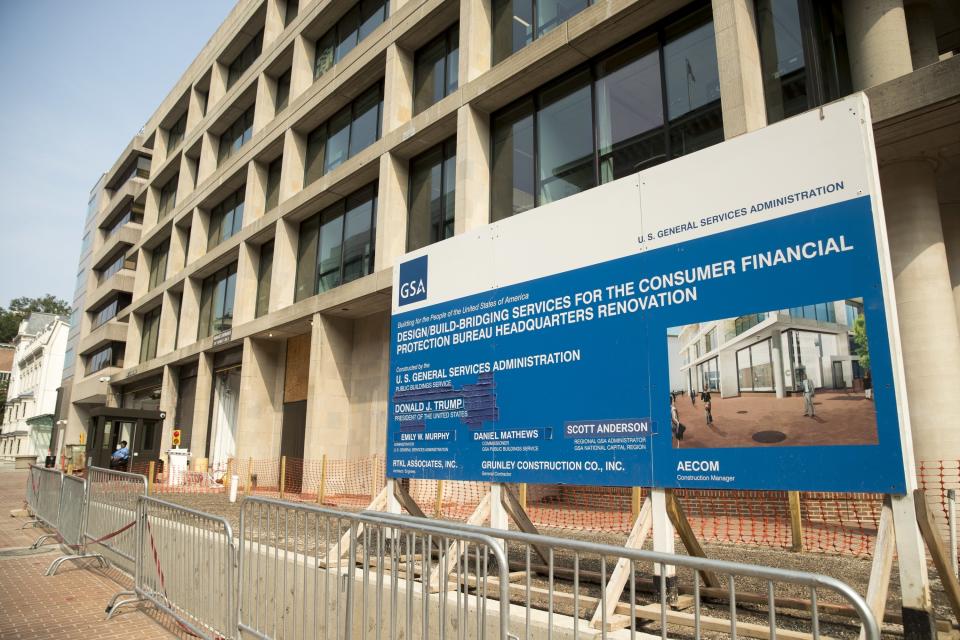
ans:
(70, 604)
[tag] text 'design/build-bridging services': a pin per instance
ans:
(723, 320)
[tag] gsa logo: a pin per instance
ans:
(413, 281)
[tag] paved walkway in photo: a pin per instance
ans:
(763, 420)
(70, 604)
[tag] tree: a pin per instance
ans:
(860, 339)
(20, 308)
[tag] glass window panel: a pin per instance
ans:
(553, 13)
(512, 27)
(264, 275)
(420, 220)
(329, 249)
(357, 242)
(781, 58)
(690, 65)
(316, 151)
(338, 142)
(206, 307)
(372, 15)
(565, 139)
(347, 32)
(630, 111)
(325, 54)
(453, 59)
(365, 128)
(217, 306)
(429, 75)
(307, 258)
(449, 190)
(512, 179)
(229, 291)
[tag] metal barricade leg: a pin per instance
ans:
(55, 565)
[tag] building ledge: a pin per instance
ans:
(126, 236)
(111, 331)
(120, 282)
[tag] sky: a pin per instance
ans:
(79, 80)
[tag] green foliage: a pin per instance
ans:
(20, 308)
(860, 338)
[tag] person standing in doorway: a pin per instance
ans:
(708, 407)
(120, 457)
(808, 392)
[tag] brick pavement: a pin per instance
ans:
(70, 604)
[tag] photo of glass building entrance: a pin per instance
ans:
(785, 377)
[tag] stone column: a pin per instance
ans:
(189, 312)
(391, 240)
(328, 388)
(301, 72)
(261, 399)
(877, 41)
(265, 102)
(738, 62)
(397, 88)
(208, 156)
(201, 407)
(255, 193)
(476, 39)
(472, 197)
(170, 312)
(950, 219)
(245, 299)
(776, 343)
(922, 32)
(283, 282)
(169, 390)
(930, 346)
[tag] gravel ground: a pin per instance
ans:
(854, 571)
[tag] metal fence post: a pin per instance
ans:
(283, 475)
(322, 489)
(796, 522)
(151, 471)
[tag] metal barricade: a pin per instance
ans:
(72, 522)
(185, 567)
(47, 512)
(555, 571)
(33, 491)
(310, 572)
(111, 514)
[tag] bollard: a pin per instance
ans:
(151, 469)
(952, 523)
(233, 488)
(523, 495)
(322, 490)
(438, 503)
(283, 475)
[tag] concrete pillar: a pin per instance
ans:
(151, 207)
(922, 32)
(141, 278)
(925, 304)
(208, 156)
(292, 167)
(169, 392)
(776, 343)
(187, 178)
(391, 240)
(273, 22)
(131, 352)
(328, 388)
(398, 88)
(950, 220)
(738, 61)
(301, 73)
(169, 313)
(472, 197)
(201, 406)
(195, 111)
(177, 257)
(261, 399)
(198, 236)
(265, 103)
(877, 41)
(284, 264)
(189, 312)
(159, 156)
(245, 299)
(476, 39)
(255, 193)
(218, 84)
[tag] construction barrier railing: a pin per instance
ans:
(47, 510)
(311, 572)
(185, 567)
(33, 490)
(72, 522)
(109, 529)
(569, 587)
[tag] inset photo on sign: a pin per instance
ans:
(787, 377)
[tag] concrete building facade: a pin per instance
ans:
(32, 392)
(239, 284)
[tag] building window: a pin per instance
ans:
(236, 135)
(708, 373)
(273, 184)
(151, 330)
(609, 118)
(351, 130)
(109, 311)
(176, 133)
(747, 322)
(853, 311)
(517, 23)
(803, 55)
(264, 274)
(432, 187)
(130, 215)
(710, 341)
(216, 301)
(168, 197)
(109, 356)
(358, 23)
(755, 367)
(244, 59)
(822, 312)
(336, 245)
(158, 264)
(290, 13)
(436, 68)
(226, 218)
(283, 91)
(115, 265)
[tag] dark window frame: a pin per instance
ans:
(176, 133)
(159, 256)
(237, 134)
(245, 59)
(150, 334)
(320, 136)
(450, 38)
(210, 324)
(447, 151)
(167, 198)
(231, 205)
(334, 34)
(264, 278)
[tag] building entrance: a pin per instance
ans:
(139, 428)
